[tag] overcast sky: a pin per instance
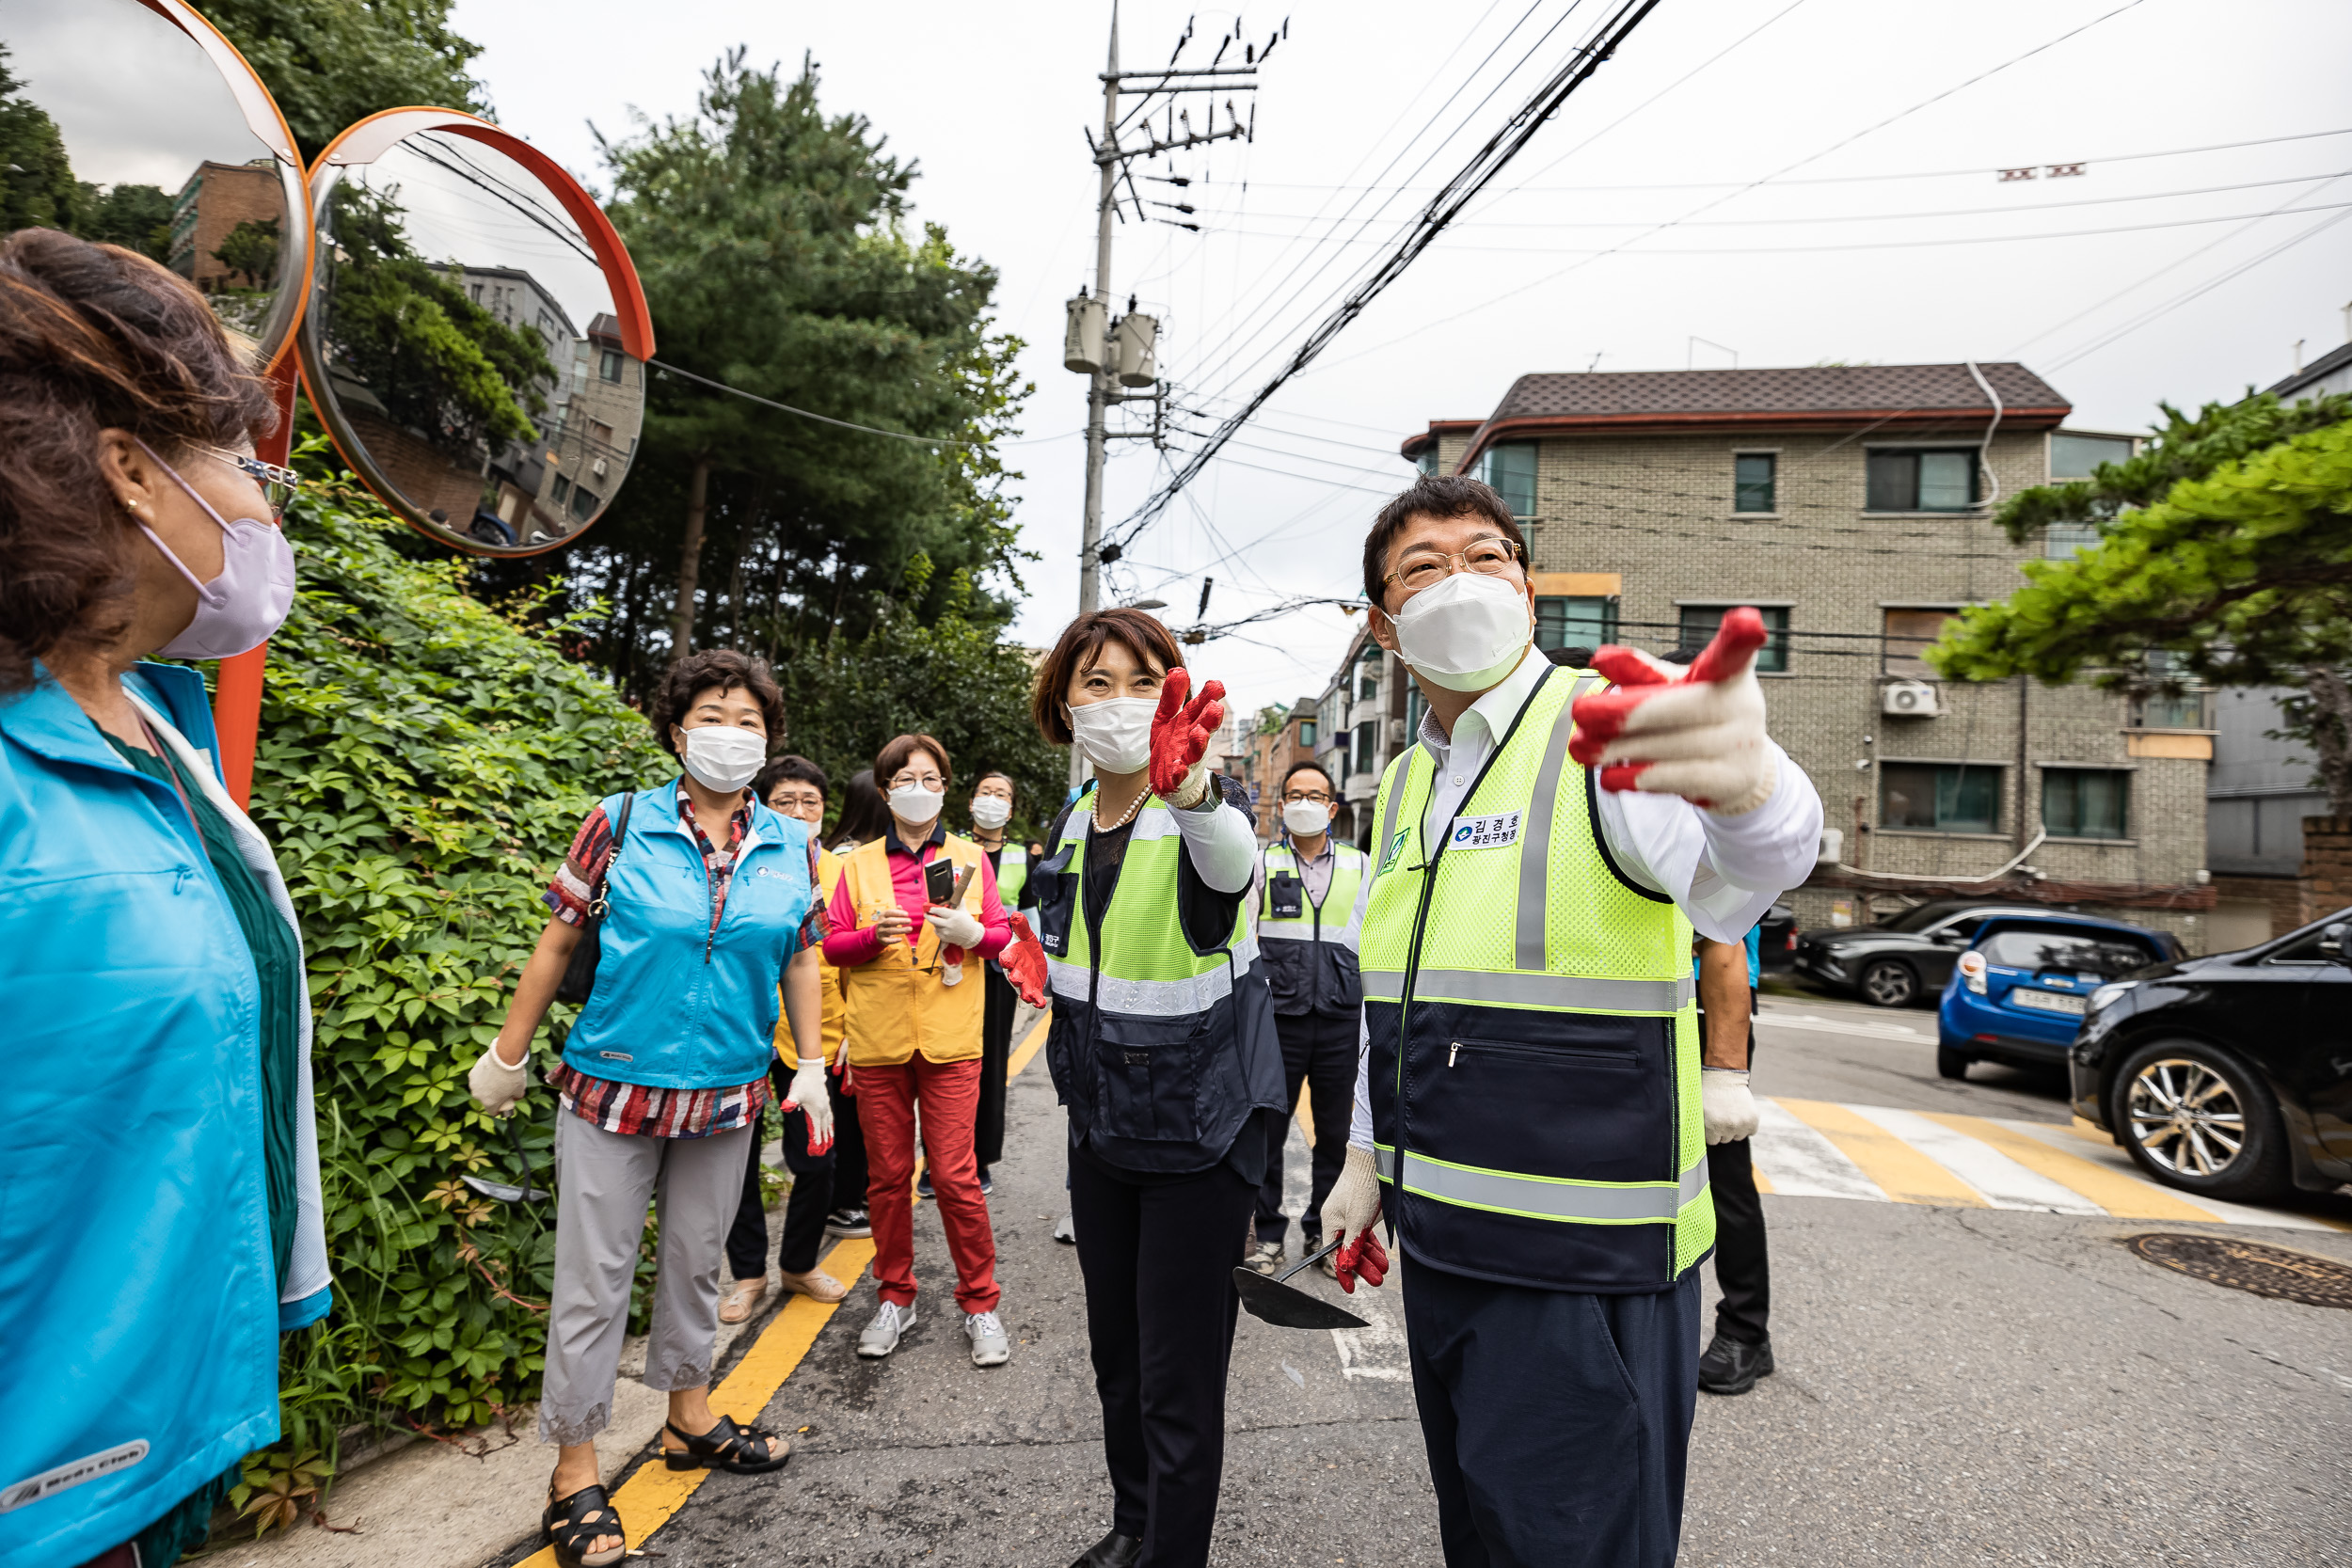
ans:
(1890, 242)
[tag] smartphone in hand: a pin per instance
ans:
(939, 881)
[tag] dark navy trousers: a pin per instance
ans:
(1558, 1423)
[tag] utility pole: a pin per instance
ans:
(1113, 355)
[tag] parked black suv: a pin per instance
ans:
(2229, 1075)
(1904, 960)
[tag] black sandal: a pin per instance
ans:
(725, 1446)
(570, 1523)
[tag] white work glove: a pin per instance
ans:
(1725, 1106)
(956, 927)
(1350, 1213)
(497, 1087)
(807, 1095)
(1697, 733)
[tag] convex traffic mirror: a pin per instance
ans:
(133, 123)
(476, 339)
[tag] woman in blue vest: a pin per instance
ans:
(709, 900)
(157, 1027)
(1162, 1049)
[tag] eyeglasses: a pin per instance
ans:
(919, 781)
(1426, 567)
(1317, 798)
(278, 483)
(784, 800)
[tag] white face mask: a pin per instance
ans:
(725, 757)
(1306, 817)
(1115, 733)
(991, 812)
(1465, 633)
(914, 805)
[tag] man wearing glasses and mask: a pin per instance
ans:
(1309, 905)
(1531, 1104)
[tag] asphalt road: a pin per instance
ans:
(1956, 1385)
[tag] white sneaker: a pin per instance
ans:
(881, 1336)
(989, 1347)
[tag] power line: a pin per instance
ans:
(805, 414)
(1489, 161)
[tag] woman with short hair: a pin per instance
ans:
(1163, 1048)
(708, 916)
(158, 1028)
(907, 950)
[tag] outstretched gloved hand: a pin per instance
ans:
(1350, 1213)
(1725, 1106)
(808, 1096)
(1024, 961)
(1697, 733)
(1181, 733)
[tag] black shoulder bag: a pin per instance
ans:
(580, 975)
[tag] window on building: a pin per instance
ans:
(1908, 631)
(1940, 797)
(474, 293)
(2074, 456)
(2183, 708)
(1307, 734)
(584, 502)
(561, 490)
(1427, 461)
(1510, 468)
(1700, 622)
(1575, 623)
(610, 368)
(1415, 706)
(1921, 481)
(1754, 482)
(600, 432)
(1368, 746)
(1368, 674)
(2086, 802)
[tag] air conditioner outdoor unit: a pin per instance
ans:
(598, 467)
(1833, 846)
(1909, 699)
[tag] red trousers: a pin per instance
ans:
(949, 1094)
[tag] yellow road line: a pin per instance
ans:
(2126, 1197)
(1763, 1182)
(652, 1497)
(1906, 1175)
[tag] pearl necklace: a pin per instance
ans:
(1133, 807)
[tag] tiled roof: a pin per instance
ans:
(1812, 389)
(2318, 370)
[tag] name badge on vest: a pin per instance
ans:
(1286, 896)
(1484, 833)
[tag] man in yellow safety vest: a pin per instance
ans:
(1530, 1099)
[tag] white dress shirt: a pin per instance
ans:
(1722, 872)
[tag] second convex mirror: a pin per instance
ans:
(476, 338)
(133, 123)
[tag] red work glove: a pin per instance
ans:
(1364, 1256)
(1024, 961)
(1697, 733)
(1179, 738)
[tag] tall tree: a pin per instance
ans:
(2225, 555)
(331, 62)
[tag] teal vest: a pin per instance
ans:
(1535, 1062)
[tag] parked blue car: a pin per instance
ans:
(2019, 992)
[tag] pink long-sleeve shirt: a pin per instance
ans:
(847, 943)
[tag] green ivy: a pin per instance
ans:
(426, 759)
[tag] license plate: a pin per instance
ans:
(2049, 1000)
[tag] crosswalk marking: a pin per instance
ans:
(1905, 1174)
(1822, 1148)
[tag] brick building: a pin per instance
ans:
(215, 199)
(1851, 504)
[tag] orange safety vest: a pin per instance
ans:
(897, 1004)
(828, 878)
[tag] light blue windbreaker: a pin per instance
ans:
(678, 1005)
(139, 1308)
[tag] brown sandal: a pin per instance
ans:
(743, 1300)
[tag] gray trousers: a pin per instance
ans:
(603, 1181)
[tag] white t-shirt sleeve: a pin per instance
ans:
(1724, 872)
(1223, 846)
(1359, 1123)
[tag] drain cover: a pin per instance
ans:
(2267, 1271)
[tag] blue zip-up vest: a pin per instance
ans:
(676, 1005)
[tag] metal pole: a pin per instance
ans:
(1099, 385)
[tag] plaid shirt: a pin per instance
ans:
(636, 1108)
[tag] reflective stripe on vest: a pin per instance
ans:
(1545, 1197)
(1545, 1007)
(1348, 869)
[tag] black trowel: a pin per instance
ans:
(502, 1192)
(1285, 1306)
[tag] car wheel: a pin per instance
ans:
(2196, 1117)
(1890, 983)
(1951, 1063)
